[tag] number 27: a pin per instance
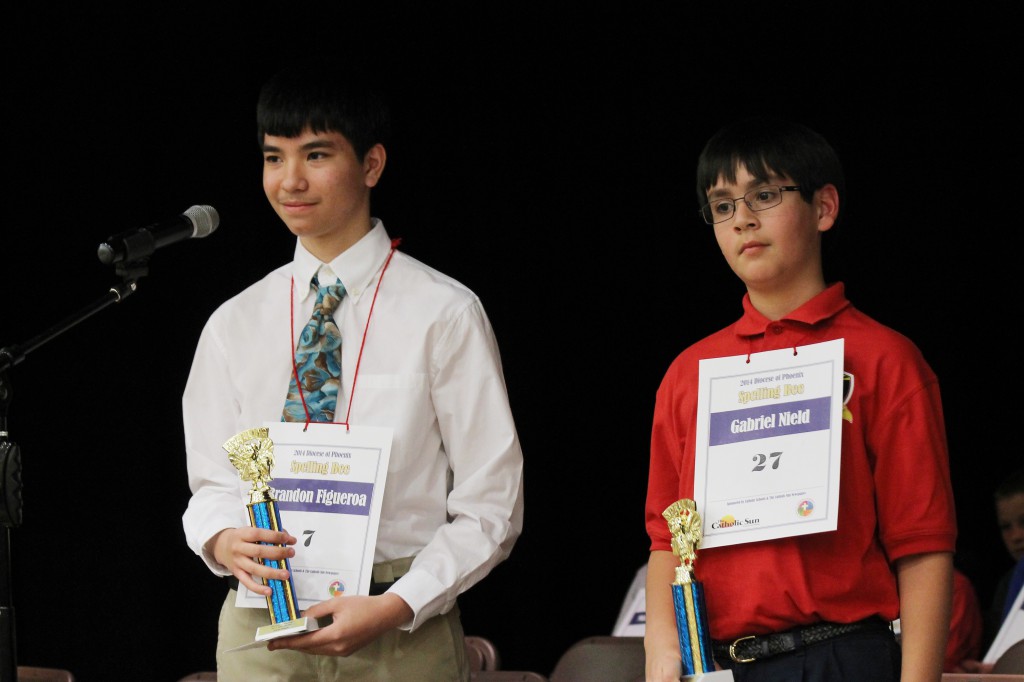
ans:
(761, 459)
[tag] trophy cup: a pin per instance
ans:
(252, 453)
(687, 593)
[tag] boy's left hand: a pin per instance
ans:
(357, 621)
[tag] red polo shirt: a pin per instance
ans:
(895, 495)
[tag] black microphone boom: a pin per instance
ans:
(134, 245)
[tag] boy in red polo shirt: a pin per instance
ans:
(811, 606)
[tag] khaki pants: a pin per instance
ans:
(434, 652)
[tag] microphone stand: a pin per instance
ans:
(10, 454)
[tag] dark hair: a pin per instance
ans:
(293, 100)
(1010, 486)
(769, 146)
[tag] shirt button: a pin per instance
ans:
(777, 329)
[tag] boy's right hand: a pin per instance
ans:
(664, 666)
(240, 550)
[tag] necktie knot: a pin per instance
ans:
(328, 297)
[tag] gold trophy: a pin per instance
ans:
(252, 453)
(687, 593)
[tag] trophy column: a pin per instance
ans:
(687, 593)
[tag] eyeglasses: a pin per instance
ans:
(757, 199)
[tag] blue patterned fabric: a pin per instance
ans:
(318, 361)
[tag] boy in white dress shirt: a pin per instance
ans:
(420, 353)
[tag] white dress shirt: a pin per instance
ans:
(430, 370)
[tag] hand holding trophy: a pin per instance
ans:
(252, 453)
(687, 593)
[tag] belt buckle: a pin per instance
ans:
(732, 650)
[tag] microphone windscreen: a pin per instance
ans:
(204, 218)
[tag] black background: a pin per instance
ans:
(546, 159)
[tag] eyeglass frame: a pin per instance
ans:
(782, 188)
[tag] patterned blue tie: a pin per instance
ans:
(317, 361)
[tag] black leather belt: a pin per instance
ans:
(755, 647)
(375, 588)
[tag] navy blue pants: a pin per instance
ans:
(872, 655)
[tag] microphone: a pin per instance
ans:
(133, 245)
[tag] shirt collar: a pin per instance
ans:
(821, 307)
(356, 266)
